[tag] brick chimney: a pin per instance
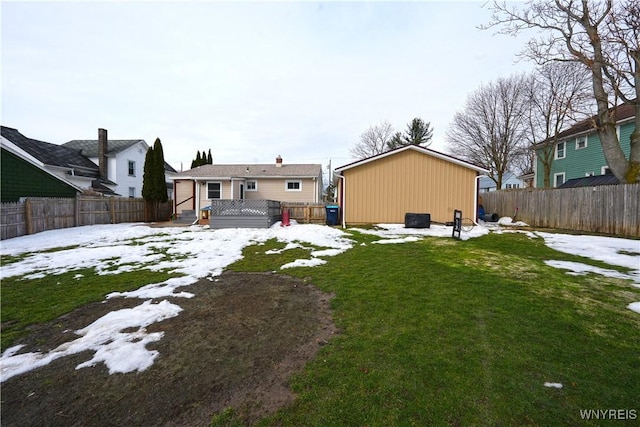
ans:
(102, 153)
(278, 161)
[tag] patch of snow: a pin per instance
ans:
(121, 352)
(611, 250)
(304, 263)
(634, 306)
(553, 385)
(580, 269)
(508, 221)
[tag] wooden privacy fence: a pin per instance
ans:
(610, 209)
(306, 212)
(34, 215)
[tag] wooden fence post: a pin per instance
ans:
(112, 209)
(28, 216)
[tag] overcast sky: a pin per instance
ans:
(249, 80)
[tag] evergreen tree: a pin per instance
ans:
(154, 186)
(418, 133)
(159, 177)
(147, 175)
(198, 161)
(209, 158)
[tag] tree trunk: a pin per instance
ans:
(606, 126)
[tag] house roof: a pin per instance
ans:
(252, 171)
(419, 149)
(591, 181)
(622, 112)
(50, 154)
(89, 147)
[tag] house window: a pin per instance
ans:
(293, 186)
(581, 142)
(511, 186)
(214, 190)
(252, 185)
(132, 168)
(558, 179)
(560, 150)
(132, 192)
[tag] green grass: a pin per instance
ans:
(28, 302)
(436, 332)
(444, 332)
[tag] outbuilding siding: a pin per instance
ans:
(384, 190)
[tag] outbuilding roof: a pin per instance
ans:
(419, 149)
(591, 181)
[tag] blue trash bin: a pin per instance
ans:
(332, 214)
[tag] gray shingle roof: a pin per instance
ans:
(591, 181)
(50, 154)
(89, 147)
(252, 171)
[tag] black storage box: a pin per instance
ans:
(417, 220)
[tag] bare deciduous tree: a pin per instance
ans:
(558, 95)
(490, 130)
(601, 36)
(375, 140)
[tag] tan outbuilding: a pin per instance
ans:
(410, 179)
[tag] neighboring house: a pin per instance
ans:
(411, 179)
(30, 161)
(509, 181)
(195, 188)
(24, 176)
(579, 153)
(123, 162)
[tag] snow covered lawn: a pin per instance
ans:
(197, 253)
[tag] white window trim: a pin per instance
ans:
(603, 170)
(134, 167)
(555, 179)
(246, 185)
(286, 185)
(207, 189)
(132, 192)
(582, 138)
(564, 150)
(589, 173)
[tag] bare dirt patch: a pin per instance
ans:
(235, 344)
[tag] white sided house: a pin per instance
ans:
(195, 188)
(121, 161)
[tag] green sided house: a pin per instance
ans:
(24, 174)
(578, 153)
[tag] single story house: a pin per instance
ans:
(410, 179)
(195, 188)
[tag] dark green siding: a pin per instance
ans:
(22, 179)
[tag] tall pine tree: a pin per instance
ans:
(154, 185)
(209, 158)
